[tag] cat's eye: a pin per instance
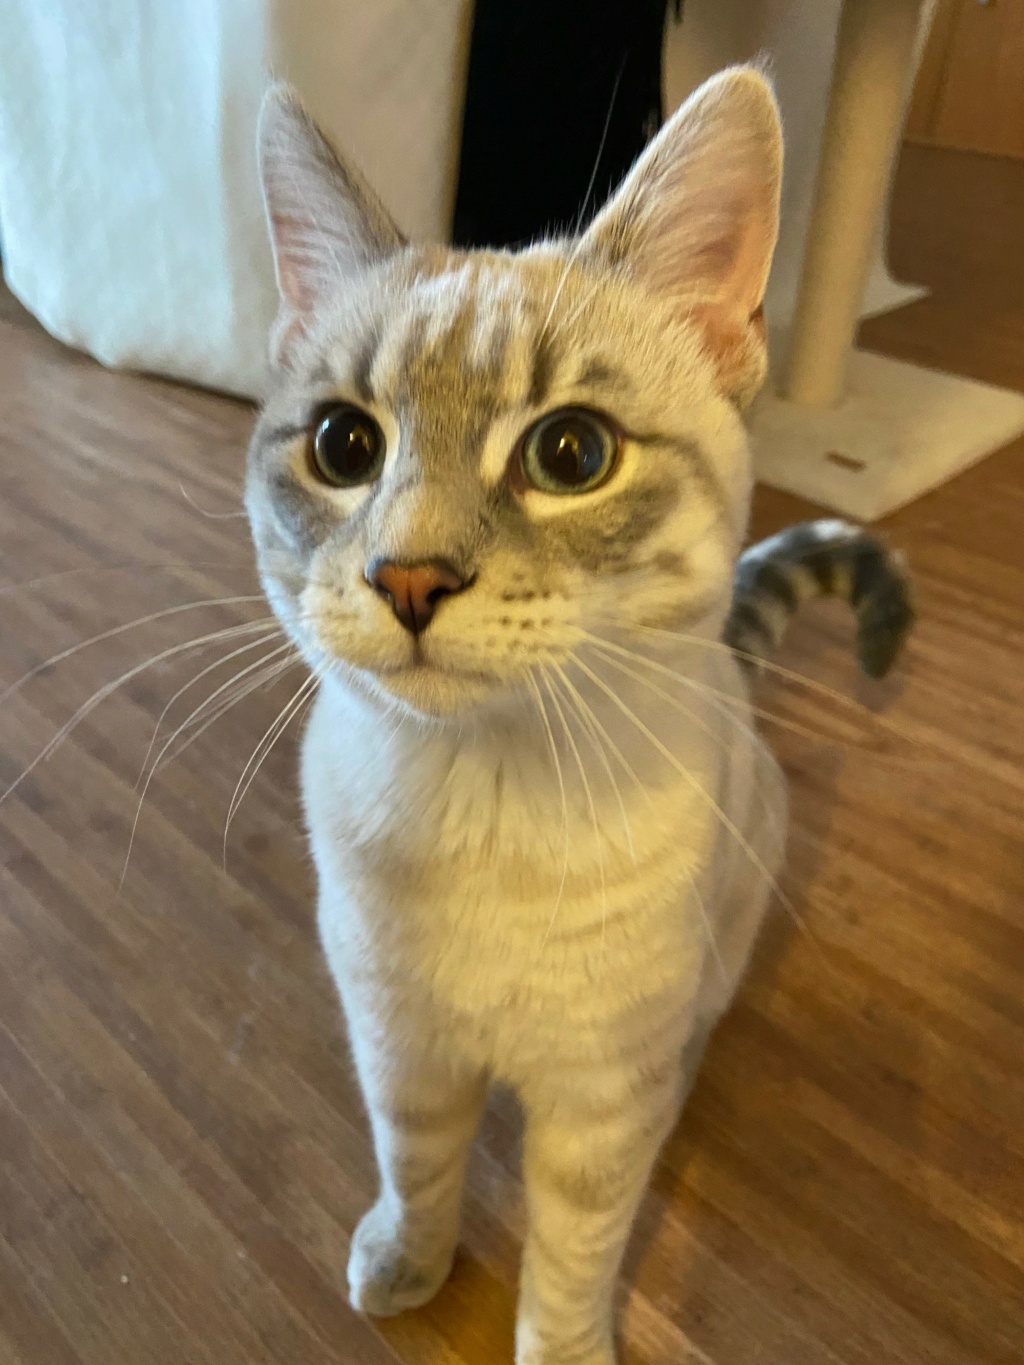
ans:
(348, 446)
(570, 451)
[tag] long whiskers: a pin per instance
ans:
(712, 698)
(213, 516)
(271, 629)
(260, 680)
(727, 822)
(266, 669)
(598, 842)
(779, 670)
(538, 698)
(123, 629)
(232, 632)
(123, 566)
(718, 697)
(724, 698)
(578, 246)
(263, 748)
(848, 736)
(698, 898)
(598, 737)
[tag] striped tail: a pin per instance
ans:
(821, 559)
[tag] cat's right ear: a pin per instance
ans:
(696, 219)
(326, 225)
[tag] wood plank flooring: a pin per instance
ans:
(182, 1151)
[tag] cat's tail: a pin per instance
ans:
(821, 559)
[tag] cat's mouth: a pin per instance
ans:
(416, 672)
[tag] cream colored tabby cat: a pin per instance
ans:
(497, 501)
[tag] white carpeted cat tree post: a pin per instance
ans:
(130, 208)
(858, 432)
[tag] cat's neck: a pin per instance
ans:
(632, 754)
(648, 707)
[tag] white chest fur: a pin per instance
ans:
(477, 881)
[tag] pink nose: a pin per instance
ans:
(415, 591)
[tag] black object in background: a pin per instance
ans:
(547, 80)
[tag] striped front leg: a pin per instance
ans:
(423, 1112)
(585, 1175)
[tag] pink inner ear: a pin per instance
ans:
(737, 345)
(290, 234)
(696, 218)
(302, 273)
(753, 259)
(694, 249)
(288, 329)
(326, 223)
(716, 278)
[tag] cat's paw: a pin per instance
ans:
(384, 1276)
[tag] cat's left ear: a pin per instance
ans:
(326, 224)
(697, 218)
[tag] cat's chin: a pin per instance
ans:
(435, 692)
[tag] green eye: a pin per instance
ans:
(570, 451)
(348, 446)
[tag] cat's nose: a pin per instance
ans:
(415, 591)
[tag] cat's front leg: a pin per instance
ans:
(424, 1110)
(586, 1171)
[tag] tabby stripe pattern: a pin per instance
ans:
(827, 558)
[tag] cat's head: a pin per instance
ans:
(471, 461)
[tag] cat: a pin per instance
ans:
(497, 501)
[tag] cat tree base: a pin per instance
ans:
(898, 431)
(855, 431)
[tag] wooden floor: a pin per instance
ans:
(182, 1151)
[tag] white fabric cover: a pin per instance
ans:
(130, 212)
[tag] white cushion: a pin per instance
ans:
(131, 219)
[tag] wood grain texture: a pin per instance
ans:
(182, 1151)
(969, 93)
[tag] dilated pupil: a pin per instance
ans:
(350, 446)
(573, 453)
(360, 447)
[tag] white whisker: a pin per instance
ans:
(851, 735)
(262, 750)
(670, 758)
(270, 628)
(578, 245)
(265, 679)
(594, 731)
(701, 907)
(532, 683)
(120, 630)
(236, 696)
(713, 695)
(124, 566)
(589, 795)
(107, 689)
(848, 702)
(666, 696)
(214, 516)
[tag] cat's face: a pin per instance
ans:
(471, 462)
